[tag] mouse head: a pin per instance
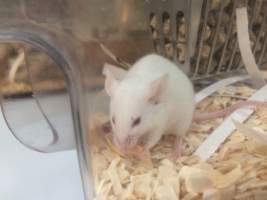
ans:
(134, 108)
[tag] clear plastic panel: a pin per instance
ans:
(49, 88)
(27, 122)
(21, 108)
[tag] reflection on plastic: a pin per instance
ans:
(40, 114)
(27, 123)
(52, 97)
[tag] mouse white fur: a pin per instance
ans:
(152, 99)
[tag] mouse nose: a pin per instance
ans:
(120, 145)
(116, 141)
(128, 144)
(124, 146)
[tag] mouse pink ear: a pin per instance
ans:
(110, 83)
(156, 89)
(117, 72)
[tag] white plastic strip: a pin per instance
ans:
(216, 86)
(217, 137)
(15, 66)
(259, 136)
(245, 47)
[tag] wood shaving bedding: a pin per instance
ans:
(238, 170)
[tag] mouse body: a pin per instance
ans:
(153, 98)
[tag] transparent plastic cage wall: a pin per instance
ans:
(48, 118)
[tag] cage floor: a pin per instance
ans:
(238, 170)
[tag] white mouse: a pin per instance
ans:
(153, 98)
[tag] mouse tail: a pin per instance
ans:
(199, 116)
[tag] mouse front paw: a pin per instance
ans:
(142, 153)
(175, 155)
(145, 156)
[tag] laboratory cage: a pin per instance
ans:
(53, 52)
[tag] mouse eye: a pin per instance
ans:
(136, 121)
(113, 120)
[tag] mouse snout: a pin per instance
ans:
(130, 142)
(125, 144)
(120, 144)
